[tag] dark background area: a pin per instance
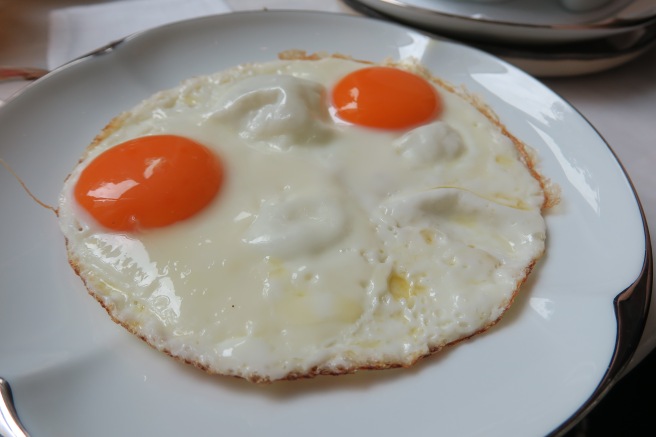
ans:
(628, 410)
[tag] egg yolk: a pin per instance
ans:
(149, 182)
(386, 98)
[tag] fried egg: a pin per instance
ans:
(309, 215)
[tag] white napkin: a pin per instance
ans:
(77, 30)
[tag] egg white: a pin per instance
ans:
(330, 247)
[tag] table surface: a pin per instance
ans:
(620, 103)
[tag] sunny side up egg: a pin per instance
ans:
(304, 216)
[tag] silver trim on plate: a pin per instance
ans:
(10, 425)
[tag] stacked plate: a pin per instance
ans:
(546, 38)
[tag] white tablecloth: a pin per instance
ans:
(620, 103)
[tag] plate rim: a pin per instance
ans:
(534, 34)
(606, 24)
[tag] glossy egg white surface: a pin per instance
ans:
(331, 247)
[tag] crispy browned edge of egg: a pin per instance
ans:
(551, 198)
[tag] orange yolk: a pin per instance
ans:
(149, 182)
(385, 97)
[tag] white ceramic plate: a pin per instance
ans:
(518, 21)
(572, 63)
(550, 60)
(74, 372)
